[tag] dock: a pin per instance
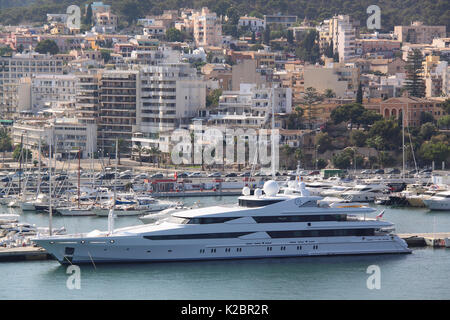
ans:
(24, 254)
(197, 193)
(435, 239)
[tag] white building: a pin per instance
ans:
(252, 23)
(251, 107)
(171, 94)
(49, 89)
(13, 71)
(207, 28)
(67, 134)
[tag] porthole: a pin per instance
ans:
(111, 241)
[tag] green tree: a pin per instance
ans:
(414, 82)
(342, 160)
(324, 142)
(446, 106)
(359, 94)
(294, 120)
(88, 17)
(174, 35)
(308, 49)
(435, 151)
(311, 98)
(358, 138)
(47, 46)
(266, 38)
(329, 94)
(427, 130)
(426, 117)
(121, 148)
(212, 99)
(444, 122)
(321, 164)
(5, 142)
(290, 36)
(18, 152)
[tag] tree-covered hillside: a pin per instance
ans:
(393, 12)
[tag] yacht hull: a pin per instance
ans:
(126, 249)
(438, 205)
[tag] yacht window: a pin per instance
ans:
(365, 189)
(251, 203)
(302, 218)
(198, 236)
(310, 203)
(178, 220)
(210, 220)
(321, 233)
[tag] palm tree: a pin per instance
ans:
(154, 151)
(5, 142)
(121, 147)
(139, 149)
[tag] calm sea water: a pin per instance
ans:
(424, 274)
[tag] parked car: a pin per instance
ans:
(183, 175)
(394, 171)
(379, 171)
(245, 174)
(215, 175)
(231, 174)
(428, 170)
(366, 172)
(157, 176)
(314, 172)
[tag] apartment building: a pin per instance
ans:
(252, 23)
(342, 78)
(341, 31)
(207, 28)
(119, 96)
(285, 21)
(49, 89)
(21, 66)
(251, 106)
(417, 32)
(66, 135)
(88, 96)
(171, 95)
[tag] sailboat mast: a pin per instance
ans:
(50, 213)
(79, 176)
(39, 172)
(403, 144)
(273, 135)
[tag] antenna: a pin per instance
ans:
(111, 211)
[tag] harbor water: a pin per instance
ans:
(420, 275)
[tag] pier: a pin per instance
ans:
(24, 254)
(435, 239)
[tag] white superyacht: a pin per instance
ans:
(260, 226)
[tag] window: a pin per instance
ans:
(198, 236)
(321, 233)
(302, 218)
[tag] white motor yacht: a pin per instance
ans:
(365, 192)
(440, 201)
(272, 225)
